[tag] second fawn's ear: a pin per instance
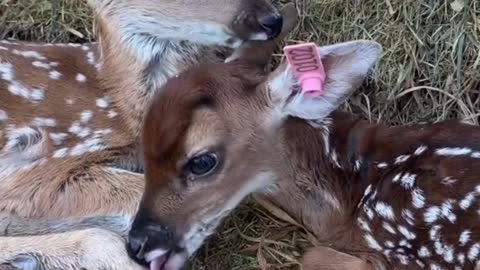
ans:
(346, 66)
(258, 53)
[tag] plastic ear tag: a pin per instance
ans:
(307, 67)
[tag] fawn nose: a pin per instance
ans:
(271, 24)
(147, 238)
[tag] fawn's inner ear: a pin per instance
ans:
(346, 66)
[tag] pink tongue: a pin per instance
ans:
(158, 263)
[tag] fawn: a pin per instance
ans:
(379, 197)
(71, 115)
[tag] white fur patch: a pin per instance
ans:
(102, 102)
(432, 214)
(372, 243)
(420, 150)
(112, 114)
(61, 153)
(58, 138)
(418, 198)
(401, 159)
(456, 151)
(44, 122)
(3, 115)
(54, 75)
(382, 165)
(31, 94)
(7, 72)
(86, 116)
(408, 180)
(385, 210)
(30, 54)
(40, 64)
(88, 146)
(81, 78)
(464, 237)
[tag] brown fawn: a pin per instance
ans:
(71, 115)
(404, 197)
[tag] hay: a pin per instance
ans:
(430, 71)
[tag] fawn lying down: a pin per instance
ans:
(403, 197)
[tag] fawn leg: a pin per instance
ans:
(324, 258)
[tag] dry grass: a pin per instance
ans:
(430, 71)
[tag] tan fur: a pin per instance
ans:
(82, 157)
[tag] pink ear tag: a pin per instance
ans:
(307, 67)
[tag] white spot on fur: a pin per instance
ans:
(432, 214)
(423, 252)
(418, 198)
(382, 165)
(420, 263)
(396, 178)
(102, 102)
(44, 122)
(401, 159)
(112, 114)
(408, 180)
(372, 243)
(29, 54)
(60, 153)
(456, 151)
(461, 258)
(464, 237)
(54, 75)
(385, 210)
(466, 202)
(58, 138)
(358, 164)
(473, 252)
(447, 212)
(420, 150)
(3, 115)
(53, 64)
(6, 71)
(408, 216)
(40, 65)
(448, 181)
(364, 225)
(388, 228)
(31, 94)
(89, 145)
(81, 78)
(3, 48)
(405, 232)
(334, 157)
(368, 211)
(475, 155)
(85, 48)
(91, 58)
(69, 101)
(86, 116)
(435, 232)
(389, 244)
(434, 266)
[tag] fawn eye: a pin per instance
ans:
(203, 164)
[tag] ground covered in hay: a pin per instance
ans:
(430, 71)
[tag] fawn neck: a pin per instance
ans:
(131, 79)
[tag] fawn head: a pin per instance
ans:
(208, 22)
(209, 136)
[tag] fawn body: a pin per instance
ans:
(394, 197)
(70, 114)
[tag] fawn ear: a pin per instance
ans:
(346, 66)
(258, 53)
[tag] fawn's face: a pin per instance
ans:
(209, 22)
(209, 139)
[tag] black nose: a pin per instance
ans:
(272, 25)
(146, 236)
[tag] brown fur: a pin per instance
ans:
(377, 192)
(141, 44)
